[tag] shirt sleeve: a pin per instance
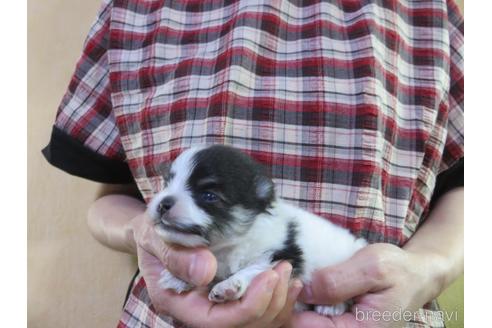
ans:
(85, 139)
(454, 148)
(451, 170)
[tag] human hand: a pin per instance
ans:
(380, 277)
(193, 265)
(268, 302)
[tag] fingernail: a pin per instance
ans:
(287, 272)
(307, 292)
(271, 282)
(297, 284)
(296, 288)
(197, 271)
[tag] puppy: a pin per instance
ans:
(217, 196)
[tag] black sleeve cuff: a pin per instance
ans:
(452, 178)
(71, 156)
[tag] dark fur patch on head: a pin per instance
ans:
(235, 178)
(291, 251)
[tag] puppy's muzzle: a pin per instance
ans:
(170, 223)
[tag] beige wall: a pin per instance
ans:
(72, 280)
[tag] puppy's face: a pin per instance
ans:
(212, 193)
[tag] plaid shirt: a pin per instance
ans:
(355, 106)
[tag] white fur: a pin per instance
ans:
(322, 243)
(183, 239)
(331, 310)
(185, 210)
(248, 254)
(236, 285)
(171, 282)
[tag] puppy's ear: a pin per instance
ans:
(264, 189)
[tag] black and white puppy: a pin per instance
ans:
(219, 197)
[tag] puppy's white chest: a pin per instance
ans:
(233, 259)
(265, 236)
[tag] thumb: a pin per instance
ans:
(358, 275)
(196, 266)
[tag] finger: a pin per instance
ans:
(309, 319)
(205, 313)
(150, 266)
(178, 306)
(288, 310)
(362, 273)
(252, 305)
(279, 297)
(196, 266)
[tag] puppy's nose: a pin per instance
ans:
(166, 204)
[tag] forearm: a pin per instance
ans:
(439, 241)
(109, 221)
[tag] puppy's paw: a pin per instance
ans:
(169, 281)
(227, 290)
(331, 310)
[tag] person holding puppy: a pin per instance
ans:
(354, 107)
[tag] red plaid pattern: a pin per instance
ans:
(86, 112)
(355, 106)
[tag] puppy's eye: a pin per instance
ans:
(209, 197)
